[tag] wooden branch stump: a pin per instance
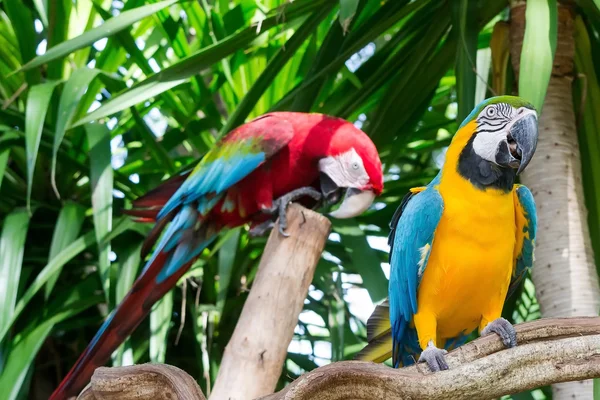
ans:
(255, 355)
(141, 382)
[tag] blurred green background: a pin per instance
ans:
(164, 80)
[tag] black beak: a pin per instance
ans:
(520, 143)
(331, 191)
(525, 134)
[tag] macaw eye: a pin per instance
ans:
(355, 165)
(490, 112)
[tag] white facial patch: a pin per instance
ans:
(485, 145)
(493, 124)
(345, 170)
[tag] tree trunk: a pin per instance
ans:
(564, 273)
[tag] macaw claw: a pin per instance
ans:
(434, 358)
(504, 329)
(280, 205)
(261, 229)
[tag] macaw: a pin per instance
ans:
(461, 243)
(250, 176)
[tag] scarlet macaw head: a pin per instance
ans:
(352, 165)
(505, 133)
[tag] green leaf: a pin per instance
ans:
(54, 265)
(41, 9)
(28, 342)
(227, 255)
(347, 12)
(328, 60)
(22, 24)
(588, 91)
(391, 107)
(38, 101)
(537, 55)
(66, 230)
(58, 25)
(21, 356)
(303, 361)
(131, 97)
(107, 29)
(179, 72)
(362, 256)
(3, 162)
(522, 396)
(128, 270)
(336, 320)
(266, 78)
(160, 322)
(127, 273)
(71, 95)
(484, 63)
(101, 178)
(464, 14)
(12, 248)
(82, 243)
(596, 383)
(156, 149)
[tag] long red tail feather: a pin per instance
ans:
(118, 326)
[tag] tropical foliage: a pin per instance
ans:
(101, 100)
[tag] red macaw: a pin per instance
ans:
(250, 176)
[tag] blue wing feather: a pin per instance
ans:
(231, 160)
(198, 194)
(234, 173)
(213, 177)
(414, 230)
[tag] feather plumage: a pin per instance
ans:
(243, 173)
(526, 219)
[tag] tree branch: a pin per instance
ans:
(137, 382)
(256, 352)
(549, 351)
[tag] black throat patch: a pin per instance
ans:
(483, 173)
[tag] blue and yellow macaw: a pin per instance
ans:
(461, 243)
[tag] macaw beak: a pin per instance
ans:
(355, 203)
(521, 141)
(524, 132)
(330, 190)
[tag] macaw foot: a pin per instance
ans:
(280, 205)
(261, 229)
(504, 329)
(434, 358)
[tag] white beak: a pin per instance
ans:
(354, 204)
